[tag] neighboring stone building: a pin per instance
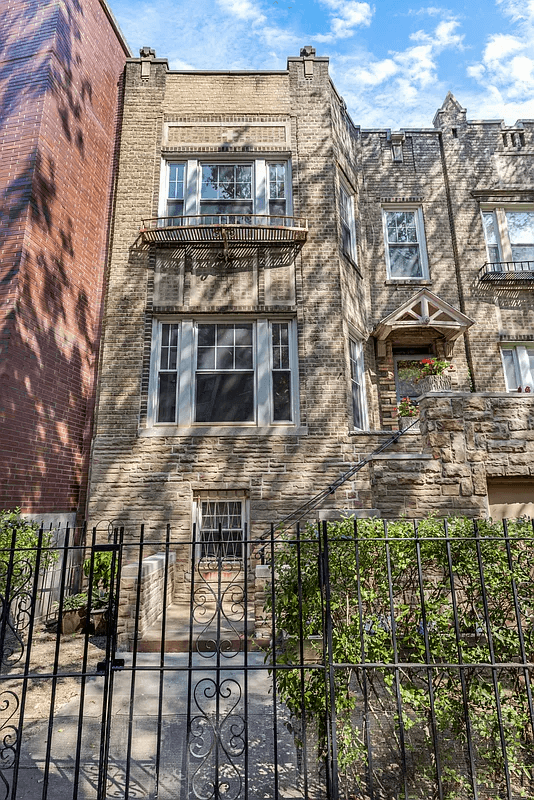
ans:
(60, 67)
(275, 273)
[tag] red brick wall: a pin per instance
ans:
(60, 67)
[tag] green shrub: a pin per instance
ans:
(362, 599)
(19, 541)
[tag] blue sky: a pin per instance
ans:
(392, 62)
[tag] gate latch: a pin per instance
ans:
(116, 664)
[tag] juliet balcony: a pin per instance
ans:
(260, 229)
(229, 238)
(507, 272)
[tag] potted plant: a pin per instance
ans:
(407, 411)
(432, 377)
(74, 611)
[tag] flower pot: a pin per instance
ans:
(99, 618)
(435, 383)
(74, 620)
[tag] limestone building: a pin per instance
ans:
(278, 274)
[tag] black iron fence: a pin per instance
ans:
(360, 659)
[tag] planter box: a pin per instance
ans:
(435, 383)
(405, 422)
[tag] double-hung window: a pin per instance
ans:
(222, 372)
(357, 378)
(405, 243)
(348, 230)
(277, 195)
(222, 189)
(518, 363)
(509, 235)
(175, 191)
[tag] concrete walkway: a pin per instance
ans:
(184, 772)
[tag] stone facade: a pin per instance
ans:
(60, 66)
(347, 183)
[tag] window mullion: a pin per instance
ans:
(524, 365)
(263, 371)
(192, 188)
(186, 373)
(504, 239)
(155, 355)
(260, 186)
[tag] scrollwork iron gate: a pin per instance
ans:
(363, 660)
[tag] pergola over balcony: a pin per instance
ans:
(234, 234)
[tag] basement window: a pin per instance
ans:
(221, 526)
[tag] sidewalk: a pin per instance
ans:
(184, 772)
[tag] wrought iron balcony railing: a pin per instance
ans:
(509, 271)
(260, 229)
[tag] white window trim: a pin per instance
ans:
(192, 183)
(346, 194)
(521, 364)
(186, 367)
(504, 244)
(354, 338)
(421, 241)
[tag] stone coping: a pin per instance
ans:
(154, 563)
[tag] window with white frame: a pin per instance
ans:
(222, 372)
(221, 525)
(348, 230)
(509, 234)
(518, 363)
(405, 243)
(217, 187)
(357, 378)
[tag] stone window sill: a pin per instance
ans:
(222, 431)
(408, 282)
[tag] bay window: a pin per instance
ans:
(218, 187)
(223, 372)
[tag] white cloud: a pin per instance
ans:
(345, 16)
(243, 9)
(500, 46)
(404, 88)
(376, 73)
(518, 9)
(432, 11)
(506, 69)
(443, 36)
